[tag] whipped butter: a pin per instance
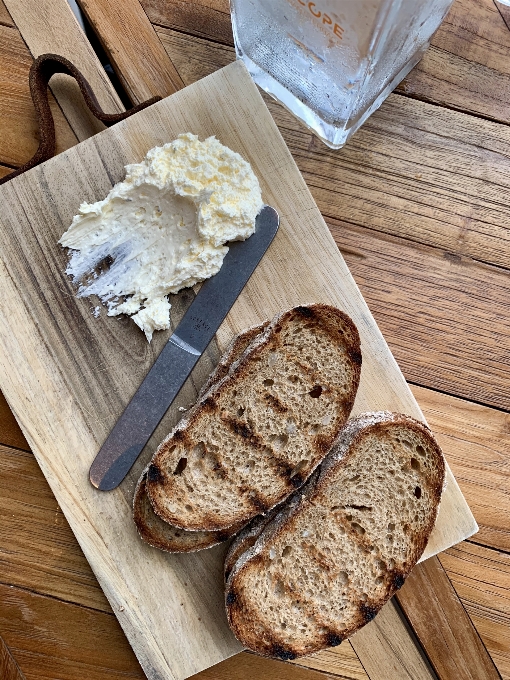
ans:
(163, 228)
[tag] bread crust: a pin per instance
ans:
(159, 534)
(154, 530)
(162, 482)
(247, 566)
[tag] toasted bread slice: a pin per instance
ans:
(248, 537)
(152, 528)
(338, 550)
(160, 534)
(233, 353)
(261, 431)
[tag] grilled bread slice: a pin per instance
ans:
(338, 550)
(260, 432)
(155, 531)
(160, 534)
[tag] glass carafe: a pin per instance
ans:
(333, 62)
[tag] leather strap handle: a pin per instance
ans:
(41, 71)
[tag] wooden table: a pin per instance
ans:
(418, 204)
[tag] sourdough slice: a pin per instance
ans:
(247, 538)
(160, 534)
(151, 528)
(325, 565)
(260, 432)
(233, 353)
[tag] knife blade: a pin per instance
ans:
(180, 354)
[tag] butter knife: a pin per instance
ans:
(180, 354)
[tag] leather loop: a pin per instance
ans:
(41, 71)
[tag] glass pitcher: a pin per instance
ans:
(333, 62)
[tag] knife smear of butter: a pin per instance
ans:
(163, 228)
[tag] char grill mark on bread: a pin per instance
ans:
(342, 545)
(260, 432)
(151, 528)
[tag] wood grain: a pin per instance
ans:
(443, 626)
(19, 138)
(5, 17)
(342, 661)
(98, 368)
(481, 577)
(249, 666)
(386, 646)
(38, 550)
(56, 30)
(53, 639)
(4, 171)
(135, 51)
(442, 315)
(9, 669)
(10, 432)
(204, 19)
(476, 443)
(467, 65)
(414, 170)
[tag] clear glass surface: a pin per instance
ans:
(333, 62)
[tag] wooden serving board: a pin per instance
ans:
(67, 375)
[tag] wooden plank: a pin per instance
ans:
(387, 648)
(98, 368)
(38, 550)
(342, 661)
(414, 170)
(9, 669)
(4, 171)
(476, 441)
(481, 577)
(443, 626)
(205, 18)
(420, 296)
(5, 17)
(254, 667)
(467, 66)
(10, 432)
(19, 138)
(56, 30)
(135, 51)
(53, 639)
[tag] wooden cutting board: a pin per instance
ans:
(67, 375)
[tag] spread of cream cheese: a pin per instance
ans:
(163, 228)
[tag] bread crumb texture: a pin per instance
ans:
(259, 433)
(325, 565)
(154, 530)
